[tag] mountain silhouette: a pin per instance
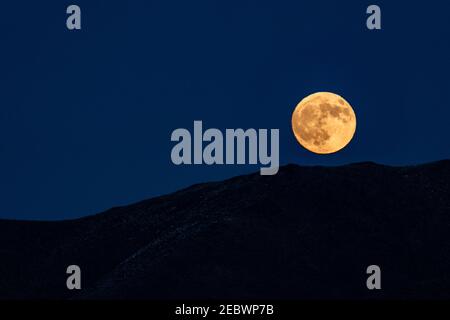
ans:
(305, 233)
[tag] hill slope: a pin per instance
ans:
(307, 232)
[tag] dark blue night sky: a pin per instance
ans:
(86, 116)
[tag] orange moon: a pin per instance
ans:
(324, 122)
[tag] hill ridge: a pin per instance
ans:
(307, 232)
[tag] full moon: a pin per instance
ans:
(324, 122)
